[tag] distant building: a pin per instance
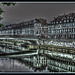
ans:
(33, 27)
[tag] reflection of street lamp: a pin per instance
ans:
(13, 64)
(39, 42)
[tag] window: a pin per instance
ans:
(67, 20)
(37, 32)
(57, 22)
(64, 20)
(74, 29)
(69, 29)
(63, 30)
(71, 20)
(73, 24)
(70, 25)
(60, 21)
(64, 25)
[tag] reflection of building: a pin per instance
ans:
(60, 66)
(62, 27)
(40, 61)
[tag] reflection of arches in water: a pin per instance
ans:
(35, 70)
(34, 57)
(29, 64)
(50, 69)
(29, 67)
(39, 70)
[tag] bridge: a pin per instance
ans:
(33, 40)
(20, 54)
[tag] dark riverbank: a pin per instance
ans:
(10, 65)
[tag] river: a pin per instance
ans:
(8, 65)
(11, 65)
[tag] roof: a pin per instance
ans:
(70, 16)
(25, 24)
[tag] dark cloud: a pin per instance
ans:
(26, 11)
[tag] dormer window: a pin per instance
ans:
(34, 20)
(52, 22)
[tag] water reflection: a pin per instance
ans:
(7, 64)
(35, 63)
(25, 64)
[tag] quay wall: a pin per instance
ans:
(57, 42)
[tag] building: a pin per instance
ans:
(33, 28)
(62, 27)
(41, 28)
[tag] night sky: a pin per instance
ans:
(27, 11)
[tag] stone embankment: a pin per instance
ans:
(58, 43)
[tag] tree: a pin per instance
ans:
(8, 3)
(1, 10)
(1, 25)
